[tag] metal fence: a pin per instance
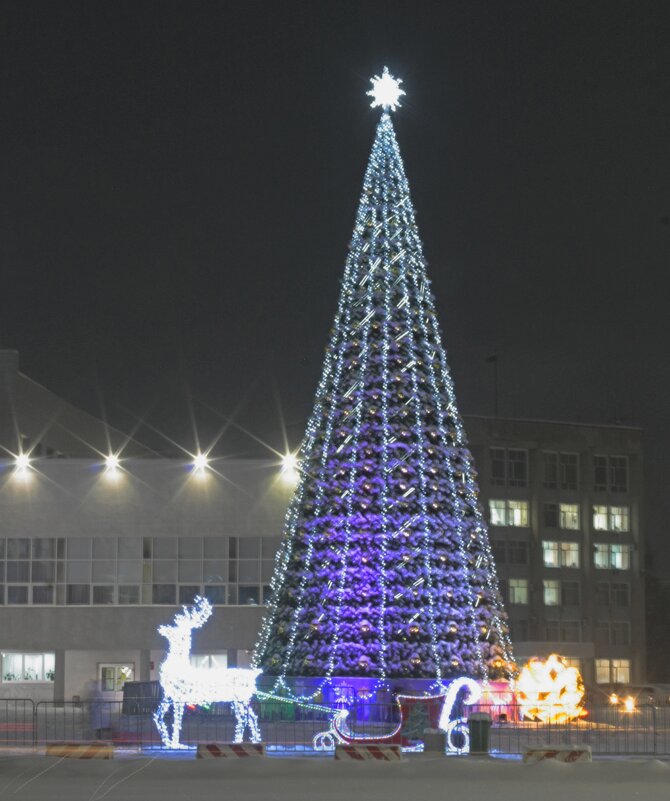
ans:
(292, 727)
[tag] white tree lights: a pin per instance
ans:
(182, 683)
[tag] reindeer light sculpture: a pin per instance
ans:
(183, 683)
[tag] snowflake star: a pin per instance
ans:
(386, 91)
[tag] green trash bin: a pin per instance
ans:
(479, 727)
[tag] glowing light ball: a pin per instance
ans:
(550, 691)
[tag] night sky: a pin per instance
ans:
(179, 183)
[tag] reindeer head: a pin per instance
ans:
(191, 617)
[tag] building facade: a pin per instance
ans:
(566, 528)
(94, 558)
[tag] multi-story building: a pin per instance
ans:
(94, 556)
(566, 528)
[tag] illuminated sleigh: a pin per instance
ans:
(440, 708)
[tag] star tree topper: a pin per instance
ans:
(386, 91)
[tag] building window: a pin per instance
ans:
(621, 594)
(620, 632)
(610, 473)
(164, 594)
(498, 549)
(602, 593)
(573, 661)
(621, 671)
(561, 470)
(569, 516)
(520, 630)
(552, 631)
(113, 677)
(611, 518)
(570, 593)
(560, 554)
(569, 472)
(497, 466)
(563, 515)
(509, 467)
(602, 633)
(517, 468)
(509, 513)
(550, 480)
(28, 667)
(518, 591)
(571, 631)
(613, 671)
(551, 592)
(517, 552)
(209, 661)
(611, 557)
(602, 671)
(551, 515)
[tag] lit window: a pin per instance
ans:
(209, 661)
(28, 667)
(518, 591)
(603, 671)
(551, 592)
(611, 557)
(560, 554)
(569, 554)
(621, 671)
(619, 518)
(517, 514)
(498, 512)
(573, 661)
(611, 518)
(114, 676)
(569, 516)
(509, 513)
(550, 554)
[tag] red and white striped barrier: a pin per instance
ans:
(81, 750)
(230, 750)
(567, 753)
(382, 753)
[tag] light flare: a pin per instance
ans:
(550, 691)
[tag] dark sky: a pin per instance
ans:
(179, 182)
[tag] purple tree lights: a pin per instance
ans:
(385, 568)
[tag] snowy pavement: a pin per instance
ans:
(265, 779)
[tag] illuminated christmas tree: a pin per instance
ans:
(385, 569)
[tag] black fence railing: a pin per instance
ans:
(294, 727)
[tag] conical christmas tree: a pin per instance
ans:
(385, 568)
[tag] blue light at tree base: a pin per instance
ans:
(385, 568)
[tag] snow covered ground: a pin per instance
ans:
(418, 778)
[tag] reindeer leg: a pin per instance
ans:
(159, 720)
(178, 707)
(240, 722)
(252, 722)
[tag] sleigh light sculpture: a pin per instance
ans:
(182, 683)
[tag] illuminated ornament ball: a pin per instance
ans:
(385, 91)
(550, 691)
